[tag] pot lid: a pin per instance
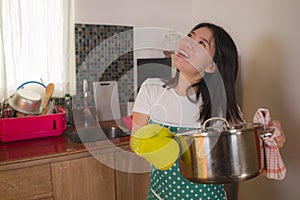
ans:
(220, 128)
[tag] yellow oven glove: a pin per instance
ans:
(156, 144)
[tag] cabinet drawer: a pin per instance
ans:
(21, 183)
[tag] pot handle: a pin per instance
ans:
(215, 118)
(31, 82)
(267, 133)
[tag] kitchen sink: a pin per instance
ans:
(97, 134)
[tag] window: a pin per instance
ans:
(37, 43)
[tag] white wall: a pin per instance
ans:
(267, 35)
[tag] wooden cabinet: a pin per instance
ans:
(132, 186)
(78, 176)
(132, 176)
(85, 178)
(26, 183)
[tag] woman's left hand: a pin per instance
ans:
(280, 140)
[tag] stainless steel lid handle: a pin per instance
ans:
(215, 118)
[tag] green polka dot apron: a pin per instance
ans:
(170, 184)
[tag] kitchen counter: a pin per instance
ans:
(18, 152)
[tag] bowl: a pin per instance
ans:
(26, 101)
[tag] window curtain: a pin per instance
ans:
(37, 44)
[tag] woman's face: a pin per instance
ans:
(193, 55)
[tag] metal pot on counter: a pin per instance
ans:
(233, 153)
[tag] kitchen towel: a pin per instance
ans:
(275, 167)
(127, 120)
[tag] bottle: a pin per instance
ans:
(68, 109)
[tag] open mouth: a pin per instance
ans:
(182, 53)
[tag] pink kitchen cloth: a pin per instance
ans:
(274, 164)
(128, 121)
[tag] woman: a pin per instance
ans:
(207, 65)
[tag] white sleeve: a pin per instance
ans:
(142, 102)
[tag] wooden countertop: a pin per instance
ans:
(16, 153)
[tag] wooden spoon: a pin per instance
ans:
(49, 92)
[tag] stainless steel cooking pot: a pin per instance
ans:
(211, 155)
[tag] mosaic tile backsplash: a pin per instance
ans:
(103, 53)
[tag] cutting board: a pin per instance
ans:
(106, 97)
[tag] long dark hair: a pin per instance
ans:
(218, 89)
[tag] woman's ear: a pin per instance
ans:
(211, 69)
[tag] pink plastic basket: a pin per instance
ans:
(14, 129)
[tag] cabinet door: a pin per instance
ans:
(85, 178)
(132, 176)
(29, 182)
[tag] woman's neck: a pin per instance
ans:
(183, 84)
